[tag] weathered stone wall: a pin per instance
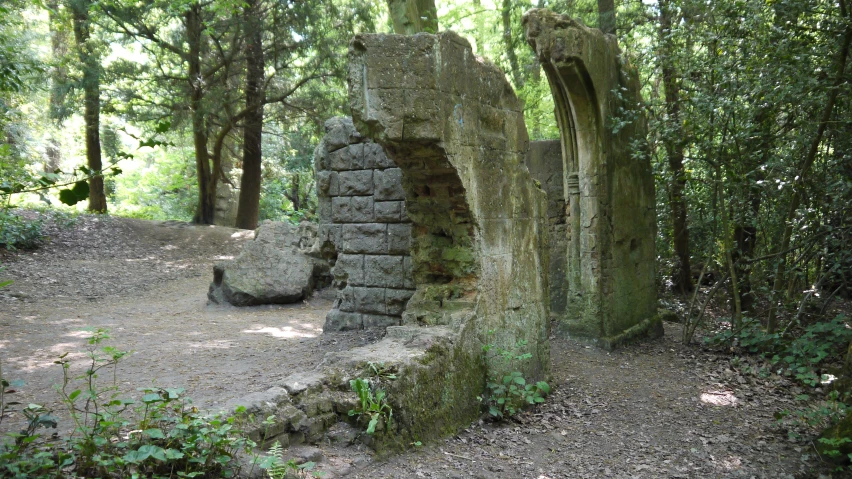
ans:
(608, 185)
(544, 160)
(363, 218)
(453, 125)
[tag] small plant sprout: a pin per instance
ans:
(373, 407)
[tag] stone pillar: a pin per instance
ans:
(363, 219)
(611, 202)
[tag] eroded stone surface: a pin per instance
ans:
(608, 185)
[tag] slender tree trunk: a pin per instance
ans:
(681, 278)
(206, 178)
(606, 16)
(517, 75)
(807, 161)
(296, 198)
(92, 102)
(413, 16)
(249, 203)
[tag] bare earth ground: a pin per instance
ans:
(651, 410)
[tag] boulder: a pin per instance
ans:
(282, 265)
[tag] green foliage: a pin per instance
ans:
(799, 357)
(278, 468)
(373, 406)
(159, 436)
(17, 232)
(830, 419)
(508, 392)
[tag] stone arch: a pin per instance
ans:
(580, 129)
(608, 187)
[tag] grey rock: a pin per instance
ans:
(281, 265)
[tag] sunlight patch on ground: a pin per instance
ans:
(213, 344)
(243, 234)
(719, 398)
(730, 463)
(136, 260)
(38, 361)
(82, 334)
(286, 332)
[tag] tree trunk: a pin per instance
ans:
(807, 161)
(606, 16)
(92, 102)
(249, 203)
(506, 13)
(206, 178)
(682, 277)
(413, 16)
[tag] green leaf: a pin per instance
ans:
(68, 197)
(371, 427)
(163, 126)
(151, 398)
(154, 433)
(73, 395)
(81, 190)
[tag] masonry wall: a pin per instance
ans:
(364, 221)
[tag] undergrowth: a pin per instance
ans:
(509, 392)
(805, 357)
(160, 435)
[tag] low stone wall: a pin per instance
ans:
(363, 219)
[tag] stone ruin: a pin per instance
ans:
(452, 231)
(607, 184)
(364, 221)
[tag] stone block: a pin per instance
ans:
(349, 269)
(370, 300)
(323, 182)
(375, 157)
(389, 211)
(324, 209)
(298, 383)
(399, 238)
(370, 238)
(346, 300)
(340, 209)
(396, 300)
(388, 184)
(381, 321)
(361, 209)
(340, 160)
(355, 183)
(337, 320)
(339, 132)
(383, 271)
(357, 160)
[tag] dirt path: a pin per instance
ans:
(146, 282)
(652, 410)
